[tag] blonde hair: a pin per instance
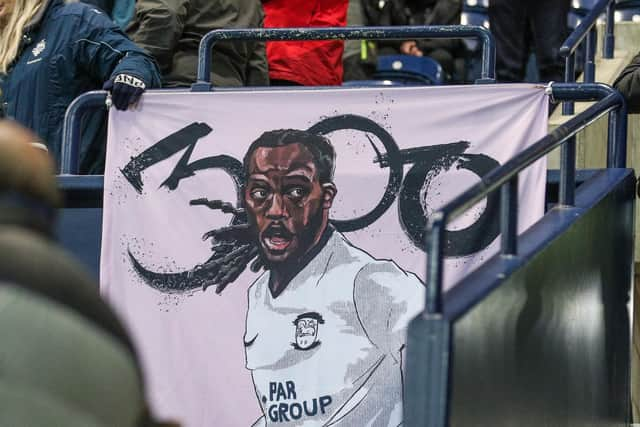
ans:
(12, 29)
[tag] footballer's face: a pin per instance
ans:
(285, 201)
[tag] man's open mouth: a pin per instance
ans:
(276, 238)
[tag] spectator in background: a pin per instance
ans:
(450, 53)
(360, 56)
(51, 52)
(305, 63)
(356, 58)
(628, 83)
(518, 26)
(171, 31)
(120, 11)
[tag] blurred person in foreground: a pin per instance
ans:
(171, 31)
(305, 63)
(51, 52)
(66, 359)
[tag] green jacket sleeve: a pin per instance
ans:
(628, 83)
(257, 68)
(157, 27)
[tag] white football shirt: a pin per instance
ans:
(327, 350)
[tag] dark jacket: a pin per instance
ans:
(628, 83)
(171, 31)
(384, 13)
(435, 12)
(67, 49)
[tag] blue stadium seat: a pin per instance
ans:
(627, 12)
(475, 4)
(409, 69)
(474, 18)
(627, 3)
(583, 4)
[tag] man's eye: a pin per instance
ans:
(259, 194)
(296, 192)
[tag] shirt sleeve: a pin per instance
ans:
(386, 299)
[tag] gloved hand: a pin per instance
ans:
(124, 89)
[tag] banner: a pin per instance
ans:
(265, 247)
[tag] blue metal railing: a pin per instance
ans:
(92, 100)
(433, 412)
(487, 73)
(72, 128)
(587, 29)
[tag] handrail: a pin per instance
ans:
(573, 41)
(430, 334)
(71, 131)
(586, 29)
(347, 33)
(506, 177)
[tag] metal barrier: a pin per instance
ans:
(79, 225)
(72, 130)
(435, 357)
(587, 29)
(95, 99)
(487, 74)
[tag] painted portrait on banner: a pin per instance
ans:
(292, 306)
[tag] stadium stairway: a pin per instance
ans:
(591, 149)
(592, 154)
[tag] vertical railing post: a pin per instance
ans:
(488, 63)
(569, 77)
(509, 217)
(589, 58)
(617, 147)
(435, 236)
(427, 355)
(568, 172)
(609, 38)
(72, 129)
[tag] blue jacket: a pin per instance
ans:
(68, 49)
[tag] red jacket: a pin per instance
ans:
(308, 63)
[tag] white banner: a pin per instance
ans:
(264, 247)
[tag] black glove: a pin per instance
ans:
(125, 90)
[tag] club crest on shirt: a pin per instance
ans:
(306, 332)
(39, 47)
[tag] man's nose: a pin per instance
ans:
(276, 209)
